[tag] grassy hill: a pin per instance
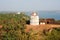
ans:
(12, 27)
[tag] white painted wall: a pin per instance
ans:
(34, 20)
(42, 23)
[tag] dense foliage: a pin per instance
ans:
(54, 35)
(12, 27)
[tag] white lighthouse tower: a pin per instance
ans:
(34, 19)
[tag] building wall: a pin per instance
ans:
(34, 20)
(48, 21)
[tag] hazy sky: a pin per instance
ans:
(29, 5)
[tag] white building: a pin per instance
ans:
(34, 19)
(18, 13)
(42, 23)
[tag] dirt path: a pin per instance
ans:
(41, 27)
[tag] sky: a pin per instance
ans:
(29, 5)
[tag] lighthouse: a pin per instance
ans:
(34, 19)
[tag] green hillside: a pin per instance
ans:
(14, 25)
